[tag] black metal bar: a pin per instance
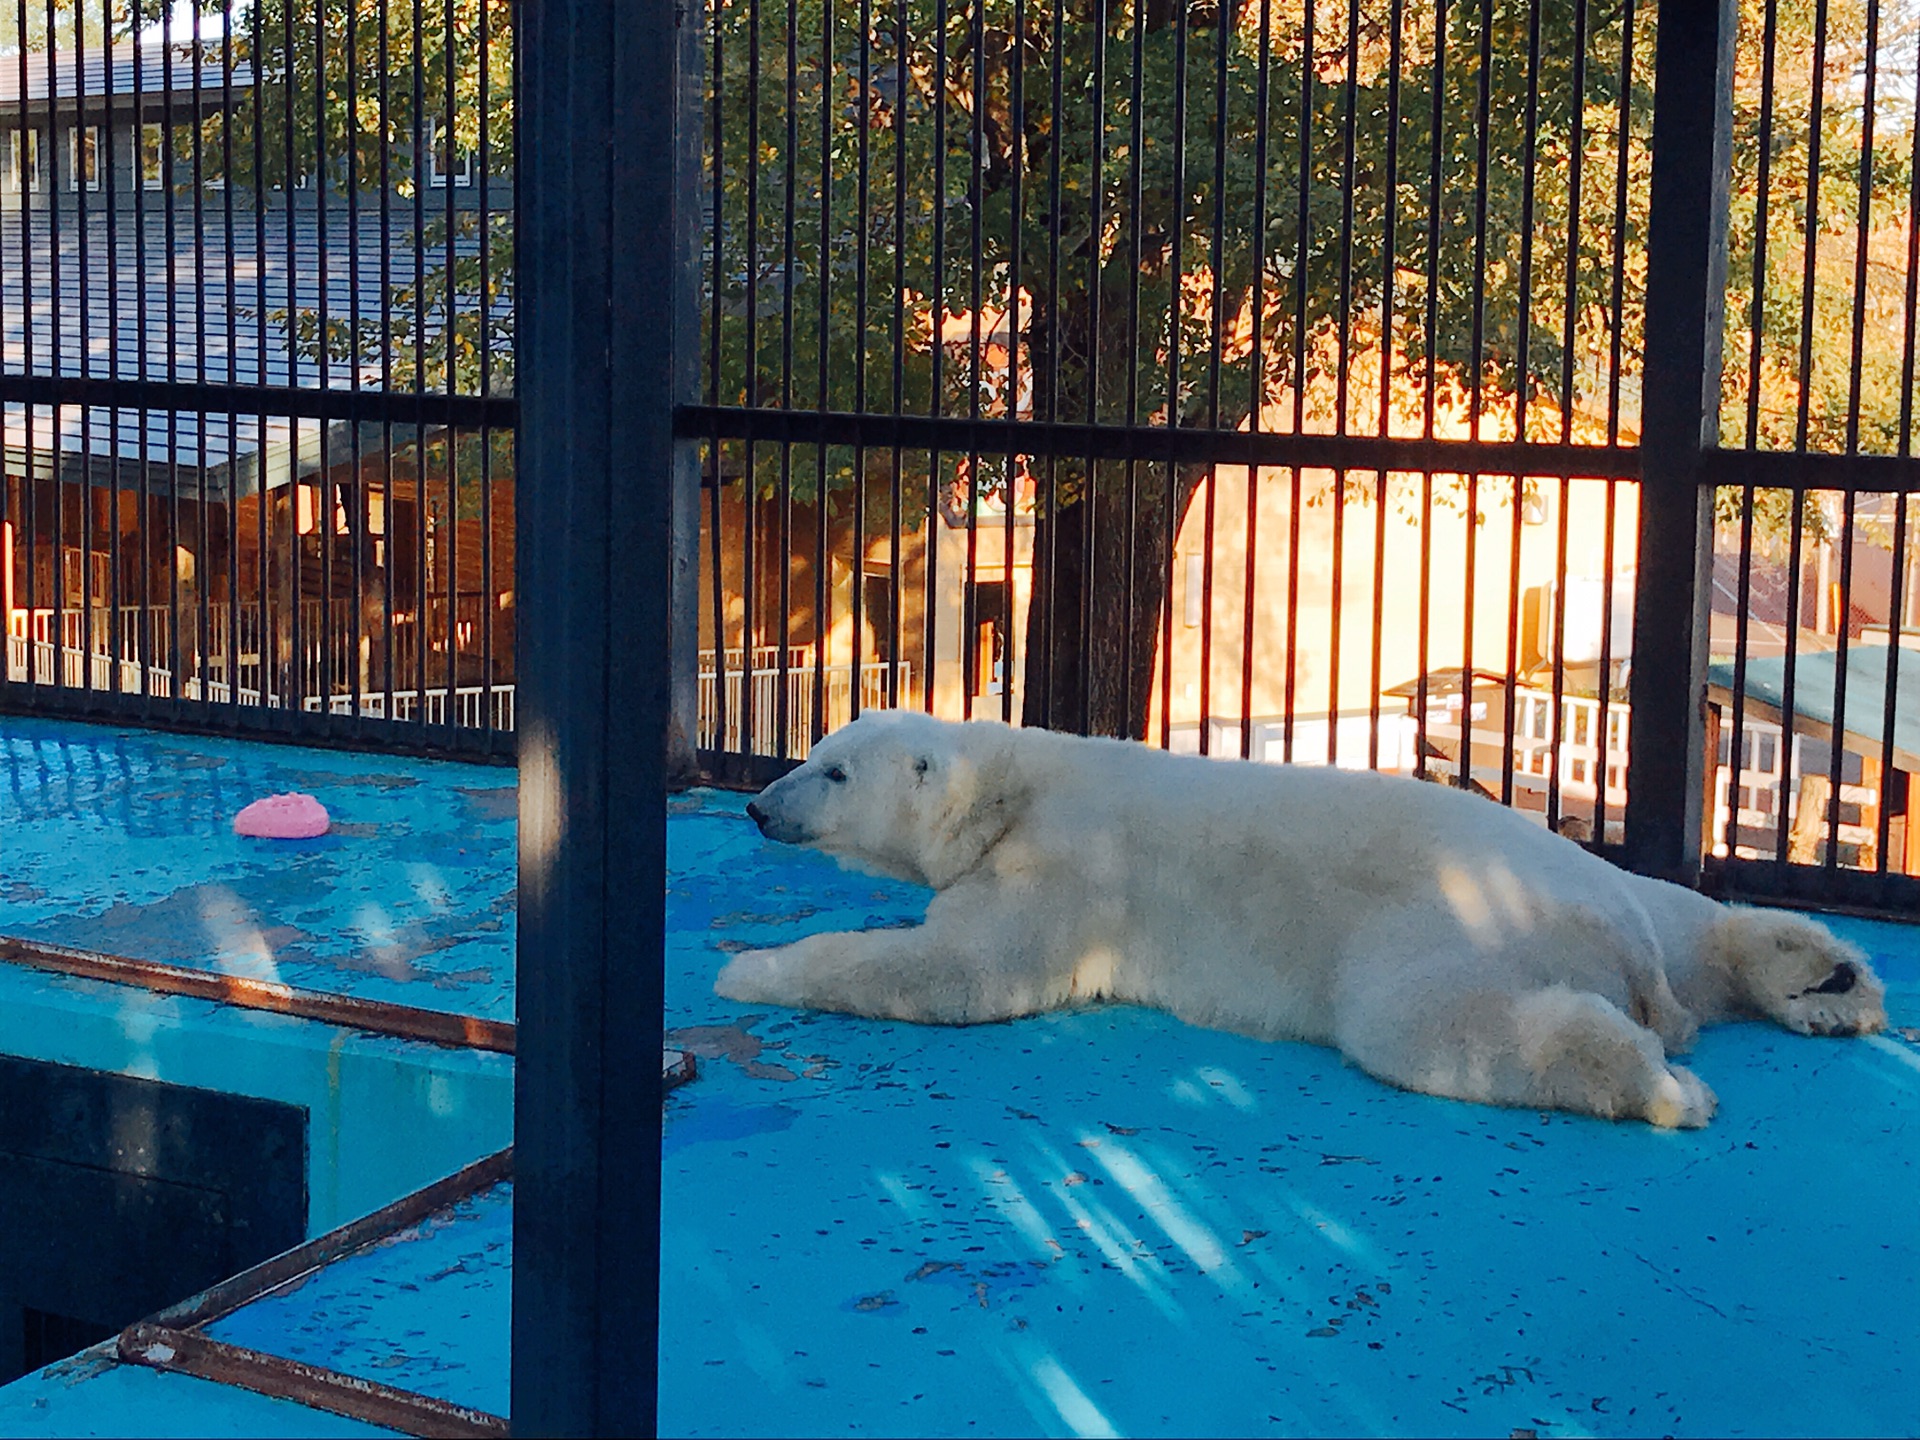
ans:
(1176, 274)
(1803, 411)
(1577, 157)
(1190, 444)
(489, 592)
(822, 621)
(1837, 748)
(1897, 601)
(1686, 289)
(1737, 739)
(29, 499)
(1256, 370)
(1135, 218)
(85, 145)
(1846, 891)
(789, 261)
(227, 109)
(57, 363)
(895, 498)
(1303, 186)
(714, 455)
(292, 686)
(937, 287)
(600, 177)
(1798, 472)
(1896, 641)
(1843, 620)
(1435, 212)
(1223, 30)
(1523, 387)
(1789, 713)
(1603, 717)
(202, 616)
(1616, 312)
(262, 540)
(369, 406)
(1011, 384)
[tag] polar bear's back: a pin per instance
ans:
(1325, 819)
(1231, 875)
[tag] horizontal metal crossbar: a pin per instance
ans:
(1792, 470)
(368, 406)
(1184, 444)
(378, 1017)
(1764, 469)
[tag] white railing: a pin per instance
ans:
(1577, 745)
(1770, 781)
(764, 682)
(471, 708)
(232, 669)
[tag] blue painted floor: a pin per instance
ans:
(388, 1312)
(122, 840)
(1110, 1223)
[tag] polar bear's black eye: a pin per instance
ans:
(920, 766)
(837, 775)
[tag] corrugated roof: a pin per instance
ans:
(123, 70)
(1815, 676)
(193, 302)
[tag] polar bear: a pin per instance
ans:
(1442, 943)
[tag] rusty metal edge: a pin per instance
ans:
(404, 1022)
(249, 1285)
(160, 1347)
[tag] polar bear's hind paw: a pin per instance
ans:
(1680, 1101)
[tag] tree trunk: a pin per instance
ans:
(1100, 590)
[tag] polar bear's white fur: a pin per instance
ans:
(1443, 943)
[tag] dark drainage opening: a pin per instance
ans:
(124, 1196)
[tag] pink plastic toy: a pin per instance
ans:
(282, 817)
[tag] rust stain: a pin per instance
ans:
(187, 1352)
(379, 1017)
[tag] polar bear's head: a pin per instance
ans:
(898, 793)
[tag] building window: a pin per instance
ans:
(442, 167)
(83, 157)
(154, 166)
(23, 161)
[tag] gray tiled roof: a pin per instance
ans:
(97, 72)
(120, 72)
(195, 302)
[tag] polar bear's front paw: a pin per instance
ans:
(1850, 1001)
(1680, 1101)
(753, 978)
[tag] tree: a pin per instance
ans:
(1226, 183)
(1171, 117)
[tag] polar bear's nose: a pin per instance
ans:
(756, 814)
